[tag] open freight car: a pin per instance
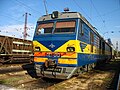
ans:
(15, 49)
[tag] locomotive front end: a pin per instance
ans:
(55, 46)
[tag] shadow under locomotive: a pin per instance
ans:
(41, 82)
(30, 69)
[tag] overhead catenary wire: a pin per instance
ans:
(55, 7)
(97, 12)
(84, 12)
(9, 24)
(28, 6)
(96, 27)
(20, 3)
(81, 9)
(110, 12)
(77, 4)
(11, 17)
(14, 17)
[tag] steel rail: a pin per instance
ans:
(118, 83)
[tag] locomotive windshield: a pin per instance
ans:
(65, 27)
(45, 28)
(56, 27)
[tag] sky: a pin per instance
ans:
(104, 15)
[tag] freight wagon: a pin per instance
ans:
(15, 49)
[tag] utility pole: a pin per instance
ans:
(25, 25)
(45, 7)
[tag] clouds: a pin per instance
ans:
(12, 19)
(17, 31)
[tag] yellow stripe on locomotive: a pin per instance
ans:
(64, 51)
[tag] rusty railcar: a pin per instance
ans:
(15, 49)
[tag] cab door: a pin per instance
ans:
(91, 41)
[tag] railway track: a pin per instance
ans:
(21, 80)
(115, 81)
(11, 68)
(118, 83)
(21, 76)
(100, 78)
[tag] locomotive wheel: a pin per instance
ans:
(93, 65)
(89, 67)
(85, 68)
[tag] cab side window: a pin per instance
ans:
(84, 32)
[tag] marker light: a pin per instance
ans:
(37, 49)
(70, 49)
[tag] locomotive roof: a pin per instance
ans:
(64, 15)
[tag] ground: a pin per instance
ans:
(97, 79)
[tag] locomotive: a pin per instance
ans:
(66, 44)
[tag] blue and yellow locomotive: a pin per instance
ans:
(66, 44)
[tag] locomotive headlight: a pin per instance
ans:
(37, 49)
(70, 49)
